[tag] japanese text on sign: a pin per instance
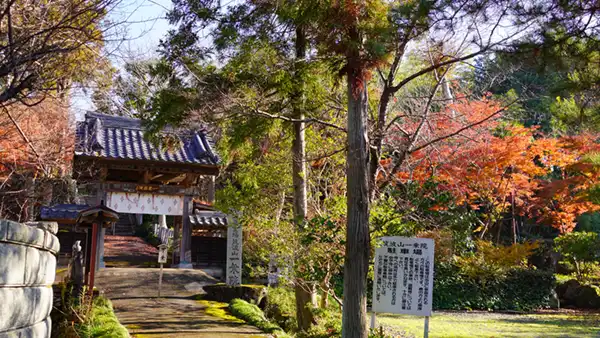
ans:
(234, 255)
(162, 253)
(403, 276)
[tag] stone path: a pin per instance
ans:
(134, 292)
(128, 251)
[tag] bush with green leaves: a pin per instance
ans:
(520, 289)
(581, 249)
(84, 318)
(146, 231)
(281, 307)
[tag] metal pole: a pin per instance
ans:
(160, 279)
(426, 333)
(373, 320)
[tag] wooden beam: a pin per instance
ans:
(155, 166)
(188, 180)
(146, 177)
(156, 177)
(103, 173)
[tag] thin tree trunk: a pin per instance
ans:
(514, 221)
(356, 265)
(305, 292)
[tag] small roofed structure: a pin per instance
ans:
(96, 218)
(100, 215)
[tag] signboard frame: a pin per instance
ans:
(403, 277)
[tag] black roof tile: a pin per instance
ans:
(116, 137)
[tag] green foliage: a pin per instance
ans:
(491, 261)
(328, 324)
(582, 249)
(253, 315)
(520, 289)
(574, 114)
(589, 222)
(427, 211)
(103, 322)
(324, 240)
(281, 307)
(85, 318)
(146, 232)
(556, 83)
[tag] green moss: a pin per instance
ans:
(219, 310)
(254, 286)
(253, 315)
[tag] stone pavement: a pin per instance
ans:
(134, 294)
(128, 251)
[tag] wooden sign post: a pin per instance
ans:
(403, 281)
(162, 259)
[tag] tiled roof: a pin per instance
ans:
(116, 137)
(62, 211)
(208, 219)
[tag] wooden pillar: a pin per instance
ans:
(186, 236)
(88, 254)
(101, 196)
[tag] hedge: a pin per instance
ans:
(519, 290)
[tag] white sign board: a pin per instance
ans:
(234, 254)
(162, 254)
(145, 203)
(403, 276)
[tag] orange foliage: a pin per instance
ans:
(48, 128)
(544, 177)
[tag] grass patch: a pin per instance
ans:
(102, 321)
(480, 325)
(253, 315)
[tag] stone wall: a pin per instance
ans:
(27, 269)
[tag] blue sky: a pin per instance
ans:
(144, 25)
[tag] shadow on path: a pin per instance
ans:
(134, 294)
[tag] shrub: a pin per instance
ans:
(84, 319)
(519, 289)
(328, 324)
(581, 249)
(490, 261)
(146, 231)
(253, 315)
(281, 307)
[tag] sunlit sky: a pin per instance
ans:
(143, 25)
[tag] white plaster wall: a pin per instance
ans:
(27, 271)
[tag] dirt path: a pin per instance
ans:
(134, 291)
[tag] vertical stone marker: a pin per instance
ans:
(233, 269)
(403, 281)
(27, 271)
